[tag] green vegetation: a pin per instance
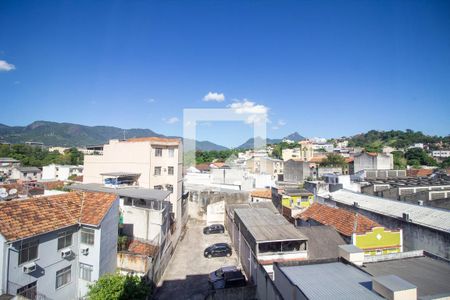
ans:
(118, 287)
(38, 157)
(212, 156)
(399, 160)
(418, 157)
(374, 140)
(333, 160)
(278, 148)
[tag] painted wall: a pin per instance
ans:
(379, 241)
(297, 201)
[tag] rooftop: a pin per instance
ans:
(344, 221)
(8, 160)
(265, 193)
(265, 226)
(21, 219)
(323, 241)
(431, 276)
(435, 218)
(132, 192)
(119, 174)
(28, 169)
(154, 140)
(330, 281)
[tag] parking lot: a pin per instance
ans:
(186, 276)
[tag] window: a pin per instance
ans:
(158, 187)
(86, 272)
(28, 251)
(157, 170)
(63, 276)
(170, 170)
(158, 152)
(28, 291)
(87, 236)
(64, 239)
(171, 152)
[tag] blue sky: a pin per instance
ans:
(322, 68)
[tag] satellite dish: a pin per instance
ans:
(2, 190)
(12, 192)
(3, 195)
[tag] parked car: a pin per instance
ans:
(216, 250)
(230, 279)
(214, 228)
(218, 274)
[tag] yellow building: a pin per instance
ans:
(297, 198)
(379, 241)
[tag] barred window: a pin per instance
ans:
(64, 239)
(87, 236)
(63, 276)
(158, 152)
(170, 170)
(28, 251)
(86, 272)
(157, 170)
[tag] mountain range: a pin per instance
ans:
(76, 135)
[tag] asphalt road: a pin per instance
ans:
(186, 276)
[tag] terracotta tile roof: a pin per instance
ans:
(25, 218)
(349, 159)
(341, 219)
(266, 193)
(51, 185)
(154, 139)
(203, 167)
(419, 172)
(138, 247)
(317, 159)
(218, 164)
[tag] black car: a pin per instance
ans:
(230, 279)
(215, 228)
(218, 250)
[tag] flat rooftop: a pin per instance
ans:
(331, 281)
(132, 192)
(435, 218)
(431, 276)
(119, 174)
(266, 226)
(404, 182)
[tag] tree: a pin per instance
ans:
(399, 160)
(333, 160)
(118, 287)
(418, 156)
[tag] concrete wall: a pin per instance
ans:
(265, 287)
(237, 293)
(365, 161)
(296, 171)
(287, 289)
(215, 213)
(3, 262)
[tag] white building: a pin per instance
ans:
(7, 164)
(61, 172)
(153, 163)
(26, 173)
(441, 153)
(373, 161)
(70, 243)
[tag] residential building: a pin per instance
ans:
(54, 247)
(265, 165)
(355, 228)
(60, 150)
(7, 164)
(296, 170)
(324, 147)
(264, 195)
(152, 163)
(423, 228)
(26, 173)
(61, 172)
(263, 236)
(371, 160)
(305, 152)
(300, 198)
(441, 153)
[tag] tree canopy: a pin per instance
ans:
(118, 287)
(333, 160)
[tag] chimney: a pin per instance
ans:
(352, 254)
(393, 287)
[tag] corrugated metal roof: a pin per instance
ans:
(132, 192)
(331, 281)
(425, 216)
(264, 225)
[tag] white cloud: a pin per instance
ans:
(218, 97)
(171, 120)
(279, 124)
(256, 112)
(5, 66)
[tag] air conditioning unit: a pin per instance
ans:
(66, 253)
(406, 217)
(28, 268)
(85, 251)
